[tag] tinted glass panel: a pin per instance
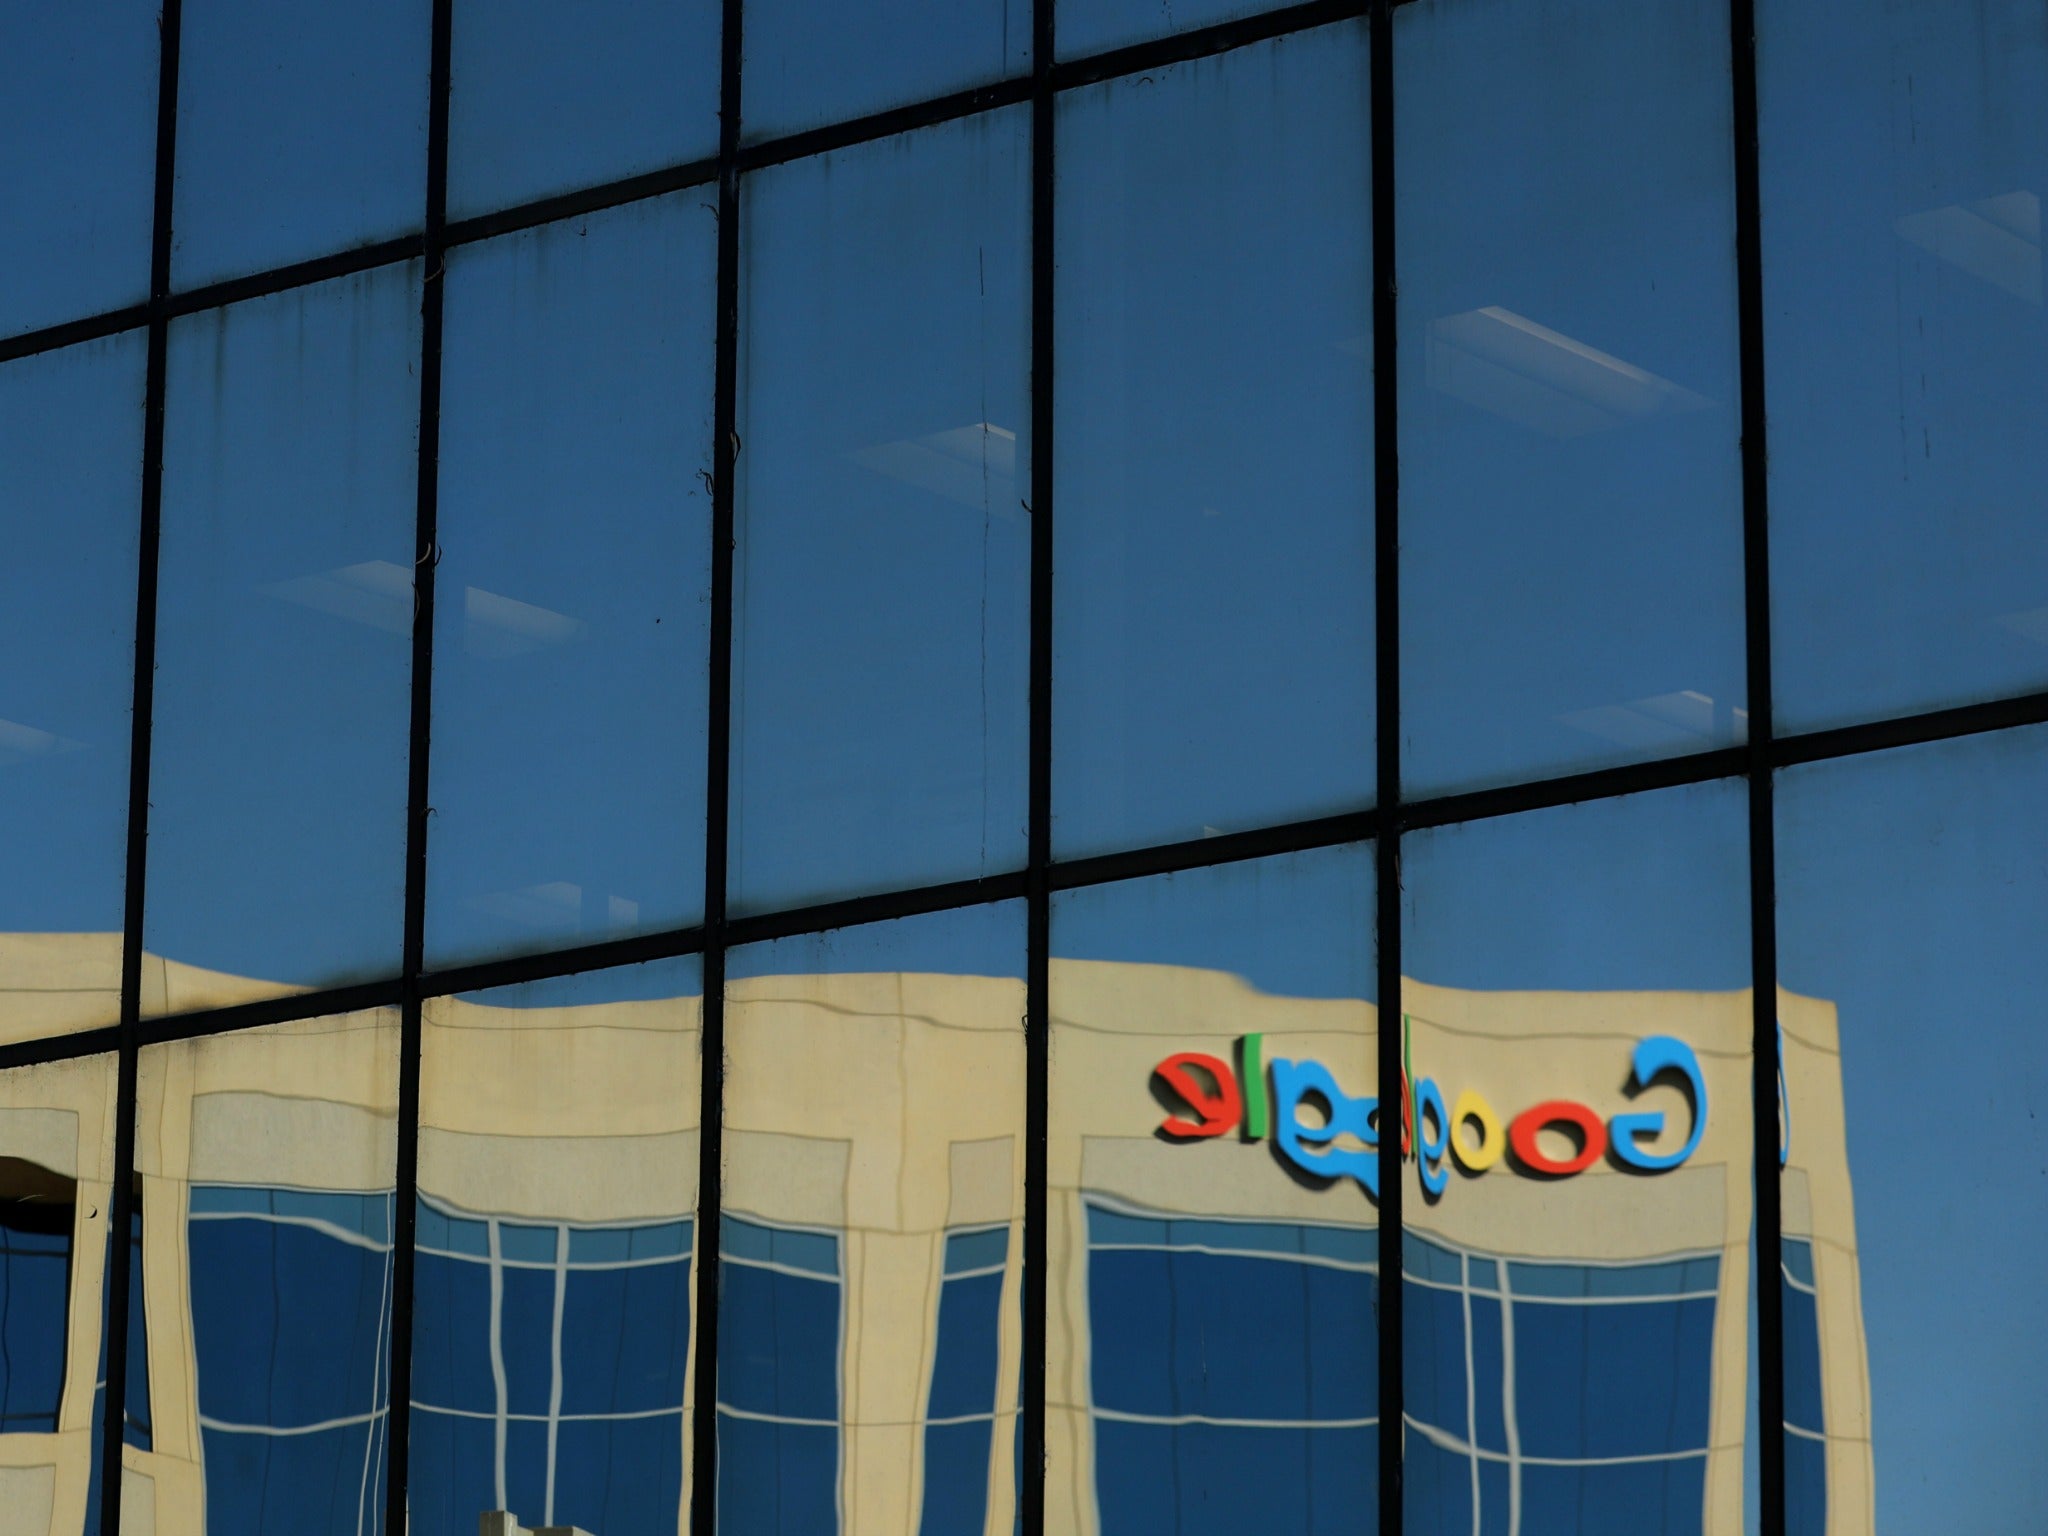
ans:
(557, 1224)
(571, 599)
(1912, 896)
(302, 130)
(1571, 516)
(1212, 1354)
(807, 65)
(269, 1157)
(56, 1177)
(1214, 570)
(70, 481)
(1904, 162)
(882, 568)
(1095, 26)
(1576, 1032)
(874, 1112)
(552, 95)
(78, 117)
(278, 777)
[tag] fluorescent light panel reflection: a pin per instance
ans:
(1997, 239)
(1663, 721)
(1511, 367)
(974, 465)
(378, 595)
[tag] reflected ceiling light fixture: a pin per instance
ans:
(1662, 721)
(974, 465)
(1511, 367)
(378, 595)
(555, 904)
(1997, 239)
(2028, 624)
(19, 743)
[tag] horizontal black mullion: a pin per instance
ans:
(545, 965)
(568, 205)
(1223, 848)
(879, 908)
(71, 332)
(1569, 789)
(297, 274)
(46, 1049)
(881, 125)
(291, 1008)
(1911, 730)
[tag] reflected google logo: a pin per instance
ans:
(1259, 1098)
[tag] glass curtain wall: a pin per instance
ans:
(1063, 767)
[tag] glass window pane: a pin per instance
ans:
(881, 581)
(285, 607)
(1096, 26)
(56, 1179)
(1904, 162)
(1576, 1029)
(874, 1116)
(71, 479)
(1213, 1343)
(1213, 579)
(808, 65)
(268, 1159)
(302, 130)
(571, 618)
(78, 117)
(558, 1175)
(548, 96)
(1912, 897)
(1571, 509)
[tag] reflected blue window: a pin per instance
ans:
(1806, 1446)
(1904, 157)
(291, 1330)
(546, 96)
(78, 117)
(35, 1291)
(571, 601)
(961, 1409)
(1235, 1374)
(778, 1380)
(808, 64)
(302, 131)
(284, 650)
(71, 467)
(1571, 510)
(549, 1371)
(1590, 1388)
(881, 570)
(1213, 580)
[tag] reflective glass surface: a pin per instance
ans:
(1212, 1346)
(1214, 572)
(557, 1224)
(1571, 512)
(70, 488)
(1095, 26)
(302, 130)
(1576, 1029)
(881, 577)
(77, 158)
(267, 1161)
(571, 601)
(1904, 160)
(56, 1179)
(278, 775)
(808, 64)
(1912, 900)
(871, 1239)
(550, 95)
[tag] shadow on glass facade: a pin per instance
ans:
(1070, 768)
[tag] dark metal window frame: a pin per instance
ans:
(1756, 762)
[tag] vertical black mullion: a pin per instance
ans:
(1038, 885)
(725, 449)
(121, 1204)
(426, 556)
(1763, 931)
(1387, 681)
